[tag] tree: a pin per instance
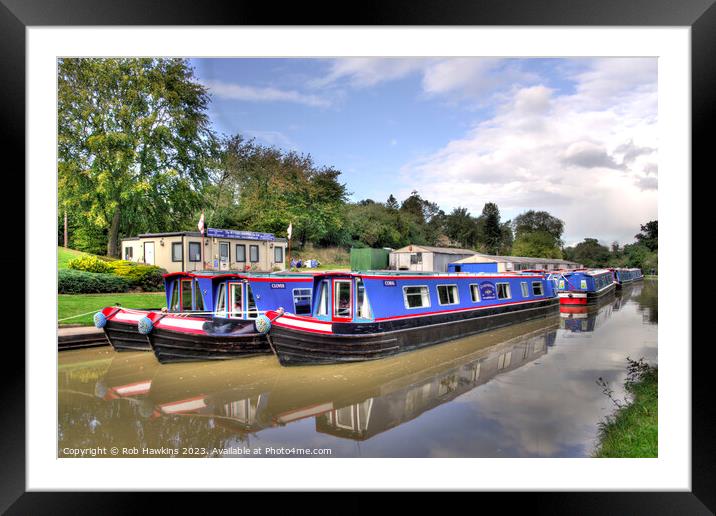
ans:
(537, 244)
(134, 143)
(590, 253)
(649, 235)
(537, 232)
(392, 203)
(492, 232)
(461, 227)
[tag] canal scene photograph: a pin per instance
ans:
(424, 257)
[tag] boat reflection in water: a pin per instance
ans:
(355, 401)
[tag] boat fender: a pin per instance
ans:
(145, 325)
(263, 324)
(100, 320)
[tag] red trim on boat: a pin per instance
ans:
(573, 300)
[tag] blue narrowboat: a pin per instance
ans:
(209, 315)
(626, 276)
(582, 286)
(370, 315)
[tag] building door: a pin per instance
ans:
(224, 256)
(149, 253)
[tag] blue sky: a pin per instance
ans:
(570, 136)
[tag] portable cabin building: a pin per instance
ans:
(490, 263)
(369, 259)
(426, 258)
(219, 249)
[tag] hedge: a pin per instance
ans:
(89, 263)
(71, 281)
(147, 277)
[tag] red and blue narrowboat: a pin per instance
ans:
(210, 315)
(624, 276)
(582, 286)
(371, 315)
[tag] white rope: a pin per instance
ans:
(78, 315)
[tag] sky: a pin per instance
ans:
(575, 137)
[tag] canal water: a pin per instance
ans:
(529, 390)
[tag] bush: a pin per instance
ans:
(146, 277)
(71, 281)
(89, 263)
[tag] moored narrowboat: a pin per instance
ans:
(210, 314)
(582, 286)
(623, 276)
(371, 315)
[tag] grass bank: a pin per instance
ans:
(75, 304)
(632, 431)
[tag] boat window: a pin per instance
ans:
(363, 308)
(302, 301)
(416, 297)
(561, 284)
(221, 300)
(537, 288)
(342, 299)
(475, 293)
(503, 291)
(583, 284)
(323, 299)
(252, 312)
(525, 290)
(186, 294)
(236, 297)
(198, 297)
(175, 296)
(447, 295)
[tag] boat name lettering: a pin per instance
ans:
(487, 290)
(278, 285)
(389, 283)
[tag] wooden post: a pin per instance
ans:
(65, 229)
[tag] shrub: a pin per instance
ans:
(146, 277)
(71, 281)
(89, 263)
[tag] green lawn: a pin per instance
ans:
(633, 430)
(74, 304)
(65, 255)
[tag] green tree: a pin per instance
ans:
(537, 232)
(392, 203)
(649, 235)
(491, 230)
(590, 253)
(461, 227)
(134, 144)
(539, 244)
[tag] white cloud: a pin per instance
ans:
(362, 72)
(235, 91)
(274, 138)
(587, 157)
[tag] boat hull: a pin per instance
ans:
(123, 336)
(177, 346)
(357, 342)
(585, 298)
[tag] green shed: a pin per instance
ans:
(367, 259)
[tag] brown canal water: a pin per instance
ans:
(529, 390)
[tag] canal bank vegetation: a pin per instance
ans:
(632, 431)
(79, 310)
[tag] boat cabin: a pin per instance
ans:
(238, 295)
(582, 280)
(377, 296)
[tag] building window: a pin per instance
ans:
(254, 253)
(475, 293)
(194, 251)
(416, 297)
(224, 254)
(278, 254)
(537, 288)
(302, 301)
(240, 252)
(177, 254)
(128, 252)
(503, 291)
(525, 290)
(416, 258)
(447, 295)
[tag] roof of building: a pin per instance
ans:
(190, 233)
(488, 258)
(431, 249)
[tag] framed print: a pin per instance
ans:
(417, 246)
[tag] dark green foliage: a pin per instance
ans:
(147, 277)
(649, 235)
(79, 282)
(590, 253)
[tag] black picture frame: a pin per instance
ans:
(17, 15)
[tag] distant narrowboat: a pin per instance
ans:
(371, 315)
(626, 276)
(211, 315)
(582, 286)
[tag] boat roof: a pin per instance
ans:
(242, 274)
(387, 274)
